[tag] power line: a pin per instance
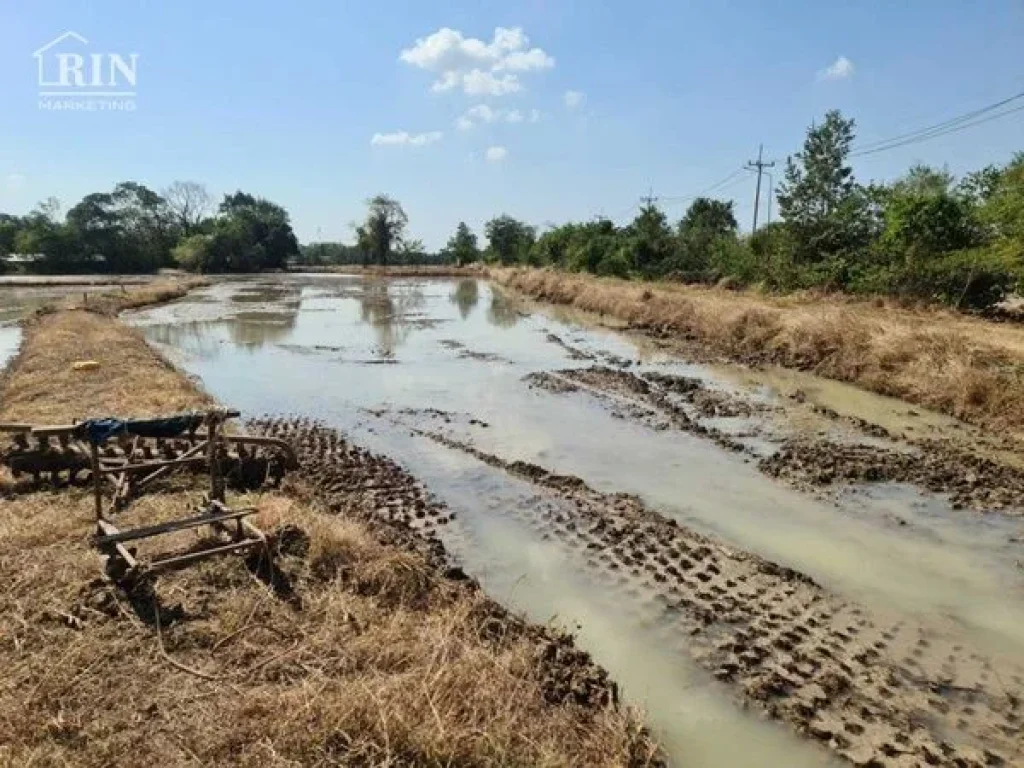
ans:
(950, 125)
(935, 133)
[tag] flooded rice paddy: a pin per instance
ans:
(640, 500)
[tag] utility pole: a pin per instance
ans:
(649, 199)
(759, 166)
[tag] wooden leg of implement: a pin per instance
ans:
(97, 488)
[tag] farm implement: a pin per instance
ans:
(122, 458)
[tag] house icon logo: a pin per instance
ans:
(72, 76)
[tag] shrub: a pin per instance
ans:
(614, 265)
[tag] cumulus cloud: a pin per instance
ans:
(840, 69)
(573, 99)
(479, 68)
(483, 113)
(496, 154)
(405, 139)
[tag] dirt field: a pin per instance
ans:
(363, 647)
(969, 368)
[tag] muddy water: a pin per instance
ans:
(380, 359)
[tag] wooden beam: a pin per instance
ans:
(160, 472)
(175, 560)
(149, 465)
(109, 529)
(172, 525)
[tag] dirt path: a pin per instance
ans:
(876, 689)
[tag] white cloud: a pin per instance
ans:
(479, 83)
(483, 113)
(471, 64)
(840, 69)
(573, 99)
(14, 181)
(405, 139)
(496, 154)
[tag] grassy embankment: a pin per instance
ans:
(375, 660)
(966, 367)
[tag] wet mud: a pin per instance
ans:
(876, 690)
(351, 481)
(663, 401)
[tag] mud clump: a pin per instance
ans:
(969, 480)
(658, 400)
(663, 401)
(872, 689)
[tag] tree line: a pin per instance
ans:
(133, 229)
(926, 236)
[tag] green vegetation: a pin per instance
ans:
(134, 229)
(923, 237)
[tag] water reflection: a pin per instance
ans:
(389, 309)
(465, 296)
(502, 311)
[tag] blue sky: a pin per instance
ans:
(284, 99)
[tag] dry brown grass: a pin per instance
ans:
(41, 386)
(967, 367)
(110, 301)
(383, 663)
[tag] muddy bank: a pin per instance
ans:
(962, 366)
(355, 483)
(873, 688)
(663, 401)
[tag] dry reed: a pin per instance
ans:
(966, 367)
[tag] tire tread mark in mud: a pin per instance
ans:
(876, 692)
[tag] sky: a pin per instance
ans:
(547, 110)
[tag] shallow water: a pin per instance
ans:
(372, 356)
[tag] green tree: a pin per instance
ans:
(924, 217)
(382, 232)
(509, 240)
(702, 229)
(649, 241)
(252, 233)
(828, 213)
(9, 227)
(709, 217)
(462, 246)
(126, 230)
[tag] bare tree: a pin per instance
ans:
(189, 203)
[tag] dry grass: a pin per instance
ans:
(383, 663)
(966, 367)
(110, 301)
(42, 387)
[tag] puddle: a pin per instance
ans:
(455, 353)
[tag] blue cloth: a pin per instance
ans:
(98, 431)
